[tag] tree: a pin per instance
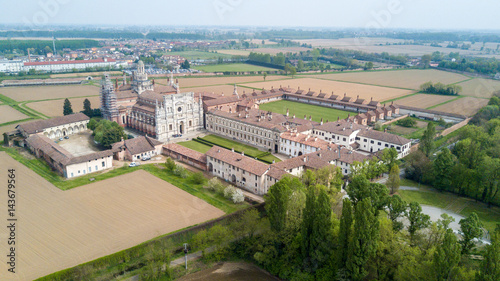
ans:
(92, 124)
(345, 232)
(300, 65)
(277, 201)
(427, 141)
(393, 180)
(170, 164)
(264, 75)
(364, 240)
(417, 219)
(106, 133)
(426, 60)
(443, 169)
(397, 208)
(471, 228)
(67, 110)
(360, 188)
(6, 140)
(185, 65)
(489, 269)
(446, 256)
(293, 71)
(368, 66)
(87, 109)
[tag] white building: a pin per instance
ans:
(57, 127)
(65, 66)
(11, 66)
(295, 144)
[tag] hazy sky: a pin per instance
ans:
(422, 14)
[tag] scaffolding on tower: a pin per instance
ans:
(109, 106)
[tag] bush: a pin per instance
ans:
(198, 178)
(238, 196)
(406, 122)
(170, 164)
(180, 171)
(228, 192)
(214, 184)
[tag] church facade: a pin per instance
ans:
(156, 110)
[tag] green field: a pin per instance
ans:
(194, 55)
(490, 217)
(200, 147)
(301, 109)
(232, 67)
(248, 150)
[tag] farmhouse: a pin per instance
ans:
(136, 148)
(238, 169)
(293, 143)
(63, 161)
(186, 155)
(57, 127)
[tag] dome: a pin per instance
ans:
(141, 63)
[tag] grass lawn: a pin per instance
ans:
(43, 169)
(200, 147)
(301, 109)
(232, 67)
(248, 150)
(490, 217)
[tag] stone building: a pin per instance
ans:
(156, 110)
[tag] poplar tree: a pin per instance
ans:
(364, 240)
(67, 110)
(345, 232)
(446, 256)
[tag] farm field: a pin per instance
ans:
(207, 81)
(479, 87)
(276, 50)
(339, 88)
(424, 100)
(53, 108)
(11, 127)
(301, 109)
(232, 67)
(227, 90)
(465, 106)
(266, 41)
(372, 45)
(49, 92)
(84, 74)
(8, 114)
(408, 79)
(234, 52)
(195, 55)
(61, 229)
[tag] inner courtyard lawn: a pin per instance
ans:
(301, 109)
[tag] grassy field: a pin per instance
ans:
(200, 147)
(301, 109)
(247, 149)
(466, 106)
(480, 88)
(490, 217)
(232, 67)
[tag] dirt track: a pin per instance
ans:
(60, 229)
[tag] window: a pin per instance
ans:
(379, 143)
(71, 174)
(96, 167)
(255, 177)
(103, 164)
(179, 109)
(343, 139)
(386, 145)
(90, 169)
(372, 142)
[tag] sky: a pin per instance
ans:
(367, 14)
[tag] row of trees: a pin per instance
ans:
(469, 167)
(302, 239)
(440, 89)
(87, 109)
(278, 60)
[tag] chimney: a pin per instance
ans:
(339, 152)
(371, 99)
(273, 161)
(345, 95)
(293, 116)
(298, 88)
(357, 97)
(218, 150)
(321, 123)
(305, 117)
(243, 153)
(326, 120)
(338, 118)
(287, 112)
(232, 149)
(385, 130)
(315, 138)
(310, 118)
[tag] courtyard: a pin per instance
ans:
(79, 144)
